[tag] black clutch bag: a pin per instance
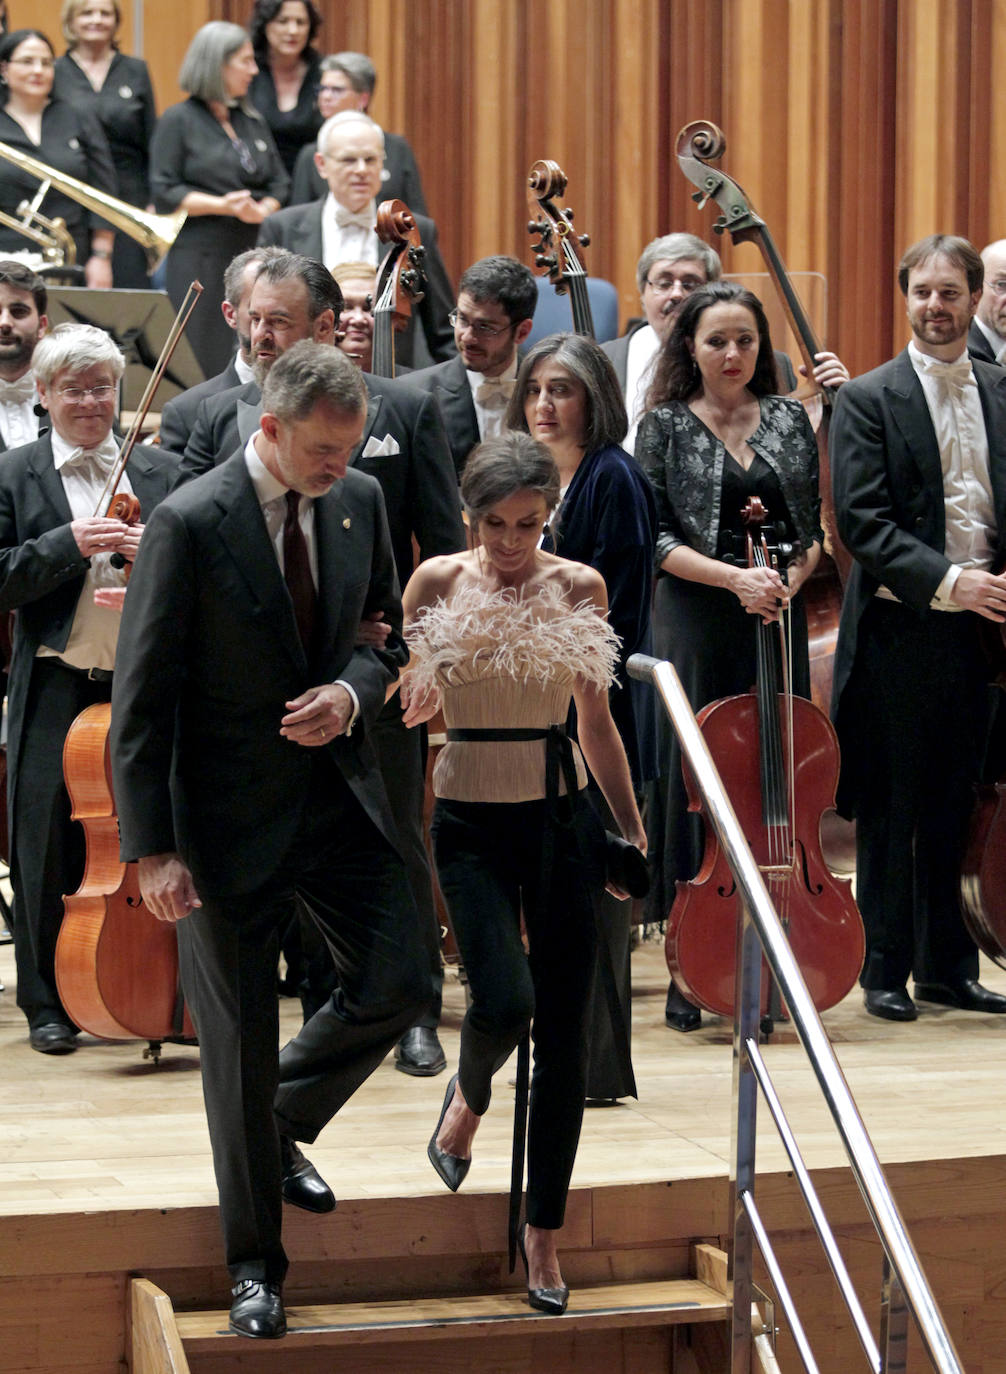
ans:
(625, 866)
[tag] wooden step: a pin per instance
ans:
(667, 1303)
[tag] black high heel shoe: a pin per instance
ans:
(451, 1168)
(550, 1300)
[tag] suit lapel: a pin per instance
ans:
(993, 398)
(248, 417)
(908, 406)
(243, 533)
(49, 480)
(373, 410)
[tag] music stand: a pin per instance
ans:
(139, 323)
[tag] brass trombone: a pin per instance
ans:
(156, 233)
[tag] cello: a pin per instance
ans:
(778, 757)
(559, 250)
(116, 964)
(401, 283)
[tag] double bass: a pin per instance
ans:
(401, 284)
(778, 757)
(116, 964)
(559, 250)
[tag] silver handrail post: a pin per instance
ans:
(740, 1270)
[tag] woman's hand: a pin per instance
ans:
(418, 707)
(760, 591)
(240, 205)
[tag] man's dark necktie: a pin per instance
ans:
(297, 571)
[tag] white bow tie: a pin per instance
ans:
(494, 392)
(102, 458)
(957, 373)
(17, 393)
(363, 219)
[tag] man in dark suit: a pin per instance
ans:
(23, 302)
(987, 335)
(245, 777)
(494, 315)
(341, 227)
(346, 81)
(404, 446)
(918, 450)
(179, 414)
(54, 556)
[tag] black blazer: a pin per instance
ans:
(448, 382)
(416, 475)
(208, 657)
(299, 229)
(125, 108)
(888, 490)
(179, 414)
(978, 344)
(400, 179)
(41, 569)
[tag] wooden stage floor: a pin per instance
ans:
(102, 1129)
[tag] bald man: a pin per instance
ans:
(987, 335)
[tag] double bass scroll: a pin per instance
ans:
(401, 284)
(559, 250)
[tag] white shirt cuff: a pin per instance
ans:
(942, 597)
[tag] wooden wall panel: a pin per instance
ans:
(856, 126)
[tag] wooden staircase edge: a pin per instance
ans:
(155, 1344)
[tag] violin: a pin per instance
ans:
(698, 145)
(777, 754)
(401, 284)
(116, 964)
(559, 250)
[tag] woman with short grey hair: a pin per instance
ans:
(213, 156)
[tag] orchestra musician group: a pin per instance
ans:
(268, 690)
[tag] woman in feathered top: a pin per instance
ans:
(502, 637)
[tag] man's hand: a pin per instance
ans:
(829, 371)
(167, 888)
(102, 534)
(373, 632)
(982, 592)
(318, 715)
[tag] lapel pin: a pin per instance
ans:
(346, 523)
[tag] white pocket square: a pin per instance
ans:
(375, 448)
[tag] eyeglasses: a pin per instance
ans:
(74, 395)
(998, 286)
(482, 329)
(663, 285)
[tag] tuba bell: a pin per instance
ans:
(155, 233)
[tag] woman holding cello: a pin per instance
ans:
(715, 435)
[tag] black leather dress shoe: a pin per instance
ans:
(54, 1037)
(451, 1168)
(303, 1186)
(892, 1004)
(680, 1014)
(257, 1310)
(420, 1053)
(968, 994)
(550, 1300)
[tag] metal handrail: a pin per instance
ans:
(761, 931)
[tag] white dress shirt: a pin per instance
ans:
(643, 349)
(18, 421)
(95, 629)
(355, 241)
(271, 494)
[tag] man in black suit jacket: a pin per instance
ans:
(54, 555)
(494, 315)
(340, 227)
(179, 414)
(987, 335)
(404, 446)
(23, 302)
(245, 777)
(918, 450)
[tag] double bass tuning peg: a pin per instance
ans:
(538, 226)
(584, 240)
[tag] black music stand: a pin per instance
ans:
(139, 323)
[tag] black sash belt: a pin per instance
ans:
(559, 758)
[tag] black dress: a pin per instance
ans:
(705, 631)
(291, 129)
(73, 142)
(192, 152)
(125, 108)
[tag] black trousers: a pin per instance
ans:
(488, 858)
(47, 848)
(918, 706)
(355, 886)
